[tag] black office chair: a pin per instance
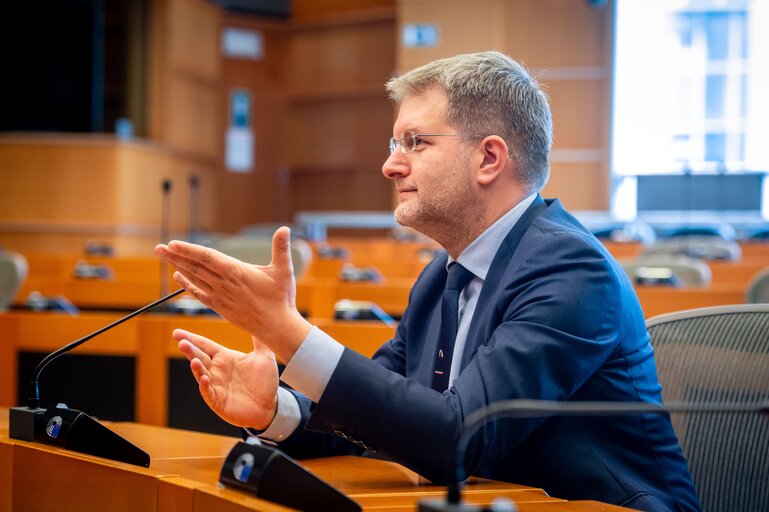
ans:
(719, 354)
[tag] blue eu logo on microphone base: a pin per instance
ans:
(54, 427)
(242, 468)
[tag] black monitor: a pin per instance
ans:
(700, 192)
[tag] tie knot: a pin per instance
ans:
(458, 278)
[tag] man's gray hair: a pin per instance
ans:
(490, 94)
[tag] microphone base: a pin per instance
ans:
(273, 476)
(73, 430)
(22, 422)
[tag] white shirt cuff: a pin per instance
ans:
(313, 364)
(286, 419)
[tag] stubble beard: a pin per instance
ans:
(447, 215)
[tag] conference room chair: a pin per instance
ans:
(719, 355)
(758, 288)
(667, 269)
(606, 228)
(636, 231)
(696, 228)
(258, 250)
(704, 247)
(762, 234)
(13, 272)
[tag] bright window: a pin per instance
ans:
(691, 90)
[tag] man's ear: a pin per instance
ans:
(494, 158)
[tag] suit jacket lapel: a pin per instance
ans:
(498, 267)
(430, 313)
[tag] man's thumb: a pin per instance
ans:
(281, 248)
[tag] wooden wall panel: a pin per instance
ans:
(339, 133)
(339, 117)
(256, 197)
(184, 77)
(352, 54)
(363, 188)
(580, 112)
(554, 33)
(193, 110)
(579, 186)
(193, 36)
(464, 27)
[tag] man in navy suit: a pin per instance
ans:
(545, 313)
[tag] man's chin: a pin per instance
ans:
(404, 216)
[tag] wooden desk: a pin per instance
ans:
(134, 281)
(316, 296)
(755, 249)
(656, 300)
(737, 272)
(184, 472)
(623, 249)
(392, 296)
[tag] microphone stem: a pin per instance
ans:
(34, 400)
(165, 216)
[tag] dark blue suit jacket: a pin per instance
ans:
(557, 319)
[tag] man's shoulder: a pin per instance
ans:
(556, 226)
(556, 218)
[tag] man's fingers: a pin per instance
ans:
(193, 290)
(191, 352)
(199, 370)
(207, 391)
(197, 345)
(202, 266)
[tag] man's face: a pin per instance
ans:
(434, 183)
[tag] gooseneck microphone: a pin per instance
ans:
(522, 408)
(34, 399)
(70, 428)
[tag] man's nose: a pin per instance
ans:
(396, 165)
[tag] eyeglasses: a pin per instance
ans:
(410, 140)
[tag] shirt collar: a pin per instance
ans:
(477, 256)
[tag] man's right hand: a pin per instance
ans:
(240, 388)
